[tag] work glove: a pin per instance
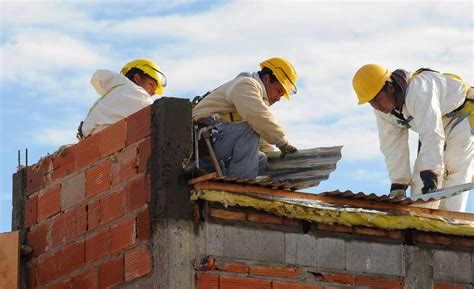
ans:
(430, 181)
(286, 149)
(398, 190)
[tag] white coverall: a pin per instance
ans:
(119, 97)
(429, 96)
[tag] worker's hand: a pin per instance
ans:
(398, 190)
(286, 149)
(430, 181)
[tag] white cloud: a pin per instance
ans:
(54, 137)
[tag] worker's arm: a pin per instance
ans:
(394, 146)
(246, 95)
(422, 101)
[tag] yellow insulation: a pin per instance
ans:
(321, 212)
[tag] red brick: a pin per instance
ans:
(235, 268)
(137, 262)
(47, 269)
(289, 272)
(37, 239)
(125, 166)
(207, 281)
(61, 285)
(137, 193)
(30, 275)
(122, 235)
(265, 218)
(282, 285)
(87, 151)
(31, 211)
(432, 239)
(144, 152)
(34, 180)
(65, 162)
(87, 280)
(333, 228)
(111, 273)
(378, 282)
(98, 179)
(336, 278)
(98, 246)
(72, 257)
(45, 164)
(229, 215)
(93, 215)
(73, 190)
(80, 225)
(144, 225)
(238, 283)
(113, 138)
(291, 222)
(112, 207)
(62, 228)
(139, 125)
(49, 203)
(450, 286)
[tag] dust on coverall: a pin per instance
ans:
(429, 96)
(119, 97)
(237, 143)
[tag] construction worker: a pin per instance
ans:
(122, 94)
(239, 110)
(438, 107)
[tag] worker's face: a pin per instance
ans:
(146, 82)
(274, 90)
(385, 101)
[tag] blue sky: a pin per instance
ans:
(49, 50)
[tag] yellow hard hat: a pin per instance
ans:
(151, 69)
(284, 72)
(369, 80)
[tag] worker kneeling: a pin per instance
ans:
(239, 112)
(436, 106)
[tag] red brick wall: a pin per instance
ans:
(86, 212)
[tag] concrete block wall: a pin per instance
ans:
(253, 249)
(86, 210)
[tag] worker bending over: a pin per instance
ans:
(122, 94)
(436, 106)
(239, 109)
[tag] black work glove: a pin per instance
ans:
(398, 190)
(430, 181)
(286, 149)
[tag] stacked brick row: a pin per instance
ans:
(86, 210)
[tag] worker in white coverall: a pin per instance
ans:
(122, 94)
(438, 107)
(239, 109)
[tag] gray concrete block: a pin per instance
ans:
(254, 244)
(373, 258)
(214, 239)
(331, 253)
(419, 272)
(452, 266)
(301, 249)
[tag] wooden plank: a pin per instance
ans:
(247, 189)
(10, 260)
(202, 178)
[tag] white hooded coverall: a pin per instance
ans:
(445, 150)
(119, 97)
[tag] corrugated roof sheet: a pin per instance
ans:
(411, 200)
(305, 168)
